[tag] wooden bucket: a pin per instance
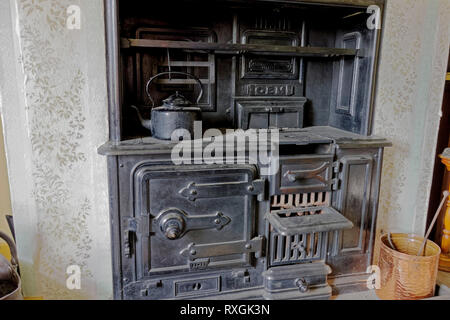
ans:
(404, 275)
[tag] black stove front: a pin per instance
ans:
(283, 208)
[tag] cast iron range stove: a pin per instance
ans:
(234, 230)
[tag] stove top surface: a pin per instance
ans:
(287, 136)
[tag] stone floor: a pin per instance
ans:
(443, 292)
(364, 295)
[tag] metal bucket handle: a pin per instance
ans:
(147, 87)
(12, 248)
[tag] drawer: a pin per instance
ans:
(270, 113)
(177, 287)
(297, 174)
(297, 281)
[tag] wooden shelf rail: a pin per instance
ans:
(238, 49)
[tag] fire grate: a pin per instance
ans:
(297, 248)
(290, 201)
(300, 247)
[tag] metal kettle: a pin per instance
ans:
(175, 113)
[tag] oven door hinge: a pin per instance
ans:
(336, 166)
(142, 289)
(133, 227)
(240, 276)
(150, 286)
(258, 188)
(335, 182)
(138, 225)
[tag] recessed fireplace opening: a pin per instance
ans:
(331, 64)
(233, 229)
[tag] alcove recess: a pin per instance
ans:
(245, 52)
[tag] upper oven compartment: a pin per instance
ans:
(194, 217)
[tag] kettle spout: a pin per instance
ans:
(144, 122)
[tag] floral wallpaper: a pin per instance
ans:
(61, 112)
(62, 153)
(409, 95)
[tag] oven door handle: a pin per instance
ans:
(196, 251)
(194, 191)
(173, 223)
(295, 175)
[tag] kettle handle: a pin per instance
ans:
(12, 248)
(147, 87)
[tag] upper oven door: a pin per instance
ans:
(303, 173)
(195, 217)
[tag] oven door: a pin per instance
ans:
(194, 218)
(303, 173)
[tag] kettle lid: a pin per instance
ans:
(176, 101)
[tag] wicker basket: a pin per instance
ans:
(404, 275)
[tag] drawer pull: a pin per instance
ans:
(302, 285)
(295, 175)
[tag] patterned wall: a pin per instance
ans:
(64, 76)
(55, 114)
(408, 101)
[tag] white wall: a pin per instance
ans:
(412, 70)
(54, 109)
(53, 84)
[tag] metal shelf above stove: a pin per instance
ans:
(239, 49)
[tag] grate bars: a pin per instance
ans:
(290, 201)
(300, 247)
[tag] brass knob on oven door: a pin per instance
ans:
(302, 285)
(172, 225)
